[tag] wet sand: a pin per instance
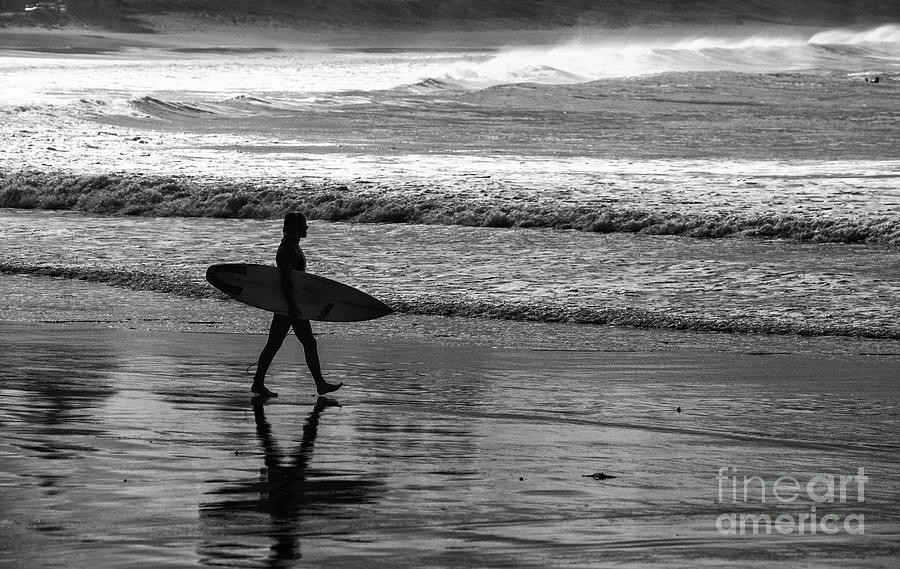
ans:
(145, 449)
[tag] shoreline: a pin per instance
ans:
(40, 300)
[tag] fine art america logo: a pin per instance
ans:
(815, 496)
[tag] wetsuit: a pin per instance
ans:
(290, 257)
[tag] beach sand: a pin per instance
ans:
(144, 449)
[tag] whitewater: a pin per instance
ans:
(710, 181)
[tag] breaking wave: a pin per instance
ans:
(185, 197)
(612, 56)
(883, 34)
(192, 286)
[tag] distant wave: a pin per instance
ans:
(620, 55)
(156, 106)
(186, 197)
(516, 67)
(247, 106)
(231, 108)
(637, 317)
(883, 34)
(431, 86)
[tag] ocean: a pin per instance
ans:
(711, 182)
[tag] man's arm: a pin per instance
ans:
(287, 286)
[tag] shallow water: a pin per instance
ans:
(639, 280)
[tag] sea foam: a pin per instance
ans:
(185, 197)
(602, 57)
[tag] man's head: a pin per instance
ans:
(295, 224)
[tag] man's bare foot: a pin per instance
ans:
(324, 387)
(262, 390)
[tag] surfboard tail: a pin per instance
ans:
(228, 278)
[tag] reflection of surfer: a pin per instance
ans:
(289, 491)
(285, 483)
(290, 257)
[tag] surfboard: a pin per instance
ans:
(317, 298)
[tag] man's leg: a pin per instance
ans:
(310, 349)
(278, 330)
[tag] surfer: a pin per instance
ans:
(290, 257)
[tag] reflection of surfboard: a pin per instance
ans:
(317, 298)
